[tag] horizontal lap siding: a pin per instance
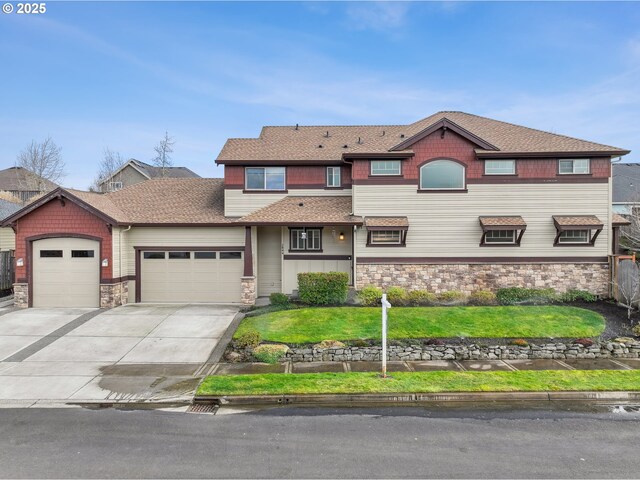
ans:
(237, 203)
(446, 224)
(7, 239)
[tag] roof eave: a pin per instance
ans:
(555, 154)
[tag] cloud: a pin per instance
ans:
(378, 15)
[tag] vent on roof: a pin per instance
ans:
(301, 204)
(359, 141)
(402, 135)
(327, 134)
(296, 126)
(345, 146)
(382, 133)
(319, 146)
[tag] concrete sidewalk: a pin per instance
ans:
(425, 366)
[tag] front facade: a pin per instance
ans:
(452, 202)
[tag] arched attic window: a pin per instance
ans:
(442, 175)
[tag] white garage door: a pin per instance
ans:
(66, 272)
(191, 276)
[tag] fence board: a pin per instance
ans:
(6, 270)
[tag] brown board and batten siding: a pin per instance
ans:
(446, 225)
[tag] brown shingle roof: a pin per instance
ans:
(570, 221)
(397, 222)
(496, 223)
(20, 179)
(311, 143)
(619, 220)
(325, 210)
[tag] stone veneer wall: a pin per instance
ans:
(114, 295)
(248, 295)
(610, 349)
(21, 295)
(593, 277)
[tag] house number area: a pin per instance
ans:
(24, 8)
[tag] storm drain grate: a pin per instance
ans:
(203, 408)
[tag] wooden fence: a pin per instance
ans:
(6, 270)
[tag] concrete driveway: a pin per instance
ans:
(132, 352)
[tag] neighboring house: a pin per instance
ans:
(135, 171)
(7, 237)
(451, 202)
(24, 184)
(626, 187)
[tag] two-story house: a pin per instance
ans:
(451, 202)
(134, 171)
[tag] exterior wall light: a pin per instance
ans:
(20, 262)
(341, 236)
(105, 262)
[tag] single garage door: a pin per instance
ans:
(66, 272)
(191, 276)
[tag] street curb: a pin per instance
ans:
(416, 398)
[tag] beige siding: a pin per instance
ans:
(331, 243)
(128, 176)
(176, 237)
(237, 203)
(269, 274)
(293, 267)
(7, 239)
(446, 225)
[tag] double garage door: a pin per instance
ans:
(200, 276)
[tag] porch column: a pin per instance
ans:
(248, 253)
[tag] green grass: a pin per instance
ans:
(421, 382)
(310, 325)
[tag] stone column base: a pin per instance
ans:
(21, 295)
(114, 294)
(248, 290)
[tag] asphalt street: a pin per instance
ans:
(303, 443)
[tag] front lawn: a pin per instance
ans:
(421, 382)
(310, 325)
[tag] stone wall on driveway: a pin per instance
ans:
(438, 278)
(558, 351)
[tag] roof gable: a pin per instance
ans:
(445, 124)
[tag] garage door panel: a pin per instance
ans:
(202, 277)
(66, 273)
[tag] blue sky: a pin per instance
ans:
(118, 74)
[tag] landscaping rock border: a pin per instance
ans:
(558, 351)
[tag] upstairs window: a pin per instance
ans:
(442, 175)
(265, 178)
(385, 167)
(305, 239)
(114, 186)
(578, 166)
(333, 177)
(499, 167)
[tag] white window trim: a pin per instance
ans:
(113, 188)
(386, 174)
(304, 240)
(399, 242)
(339, 177)
(505, 241)
(456, 189)
(500, 160)
(573, 240)
(246, 187)
(573, 170)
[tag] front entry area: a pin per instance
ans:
(66, 272)
(193, 276)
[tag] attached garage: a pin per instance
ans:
(184, 275)
(66, 272)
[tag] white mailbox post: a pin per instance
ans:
(385, 306)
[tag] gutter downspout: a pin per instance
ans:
(120, 231)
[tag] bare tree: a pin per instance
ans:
(631, 233)
(41, 160)
(110, 163)
(164, 149)
(627, 285)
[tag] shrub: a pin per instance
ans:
(452, 297)
(585, 342)
(515, 295)
(397, 296)
(435, 342)
(359, 343)
(270, 353)
(249, 339)
(329, 344)
(279, 299)
(420, 298)
(636, 330)
(520, 342)
(577, 295)
(482, 297)
(323, 288)
(370, 296)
